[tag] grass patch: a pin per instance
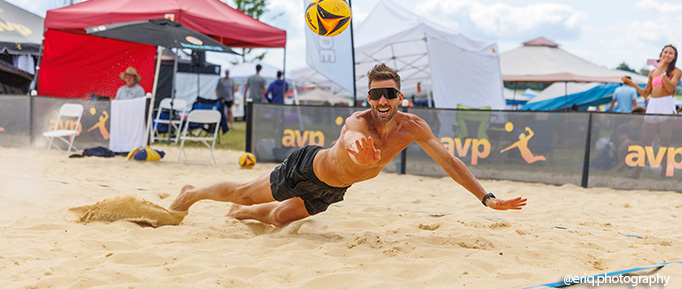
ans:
(235, 139)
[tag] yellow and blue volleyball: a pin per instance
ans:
(327, 17)
(247, 161)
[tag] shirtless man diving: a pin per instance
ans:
(312, 177)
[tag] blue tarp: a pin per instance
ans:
(597, 95)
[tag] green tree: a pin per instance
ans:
(625, 67)
(255, 9)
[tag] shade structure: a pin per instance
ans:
(209, 17)
(541, 60)
(65, 73)
(21, 31)
(159, 32)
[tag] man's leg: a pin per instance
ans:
(254, 192)
(278, 214)
(230, 117)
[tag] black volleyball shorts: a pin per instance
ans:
(295, 178)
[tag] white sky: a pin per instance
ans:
(605, 32)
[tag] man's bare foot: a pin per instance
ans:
(184, 200)
(233, 211)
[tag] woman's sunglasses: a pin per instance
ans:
(388, 92)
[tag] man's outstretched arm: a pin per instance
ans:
(458, 171)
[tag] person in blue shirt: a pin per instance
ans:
(624, 99)
(277, 89)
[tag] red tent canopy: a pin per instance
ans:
(210, 17)
(75, 64)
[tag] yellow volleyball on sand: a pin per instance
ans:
(247, 161)
(327, 17)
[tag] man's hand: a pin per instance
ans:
(513, 204)
(364, 153)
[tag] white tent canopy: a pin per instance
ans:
(246, 69)
(541, 60)
(458, 69)
(560, 89)
(319, 96)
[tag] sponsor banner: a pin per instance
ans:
(94, 125)
(331, 57)
(544, 147)
(14, 121)
(622, 158)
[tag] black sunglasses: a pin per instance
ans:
(388, 92)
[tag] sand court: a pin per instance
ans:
(395, 231)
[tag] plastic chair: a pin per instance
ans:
(179, 110)
(206, 118)
(68, 110)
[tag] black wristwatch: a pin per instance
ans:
(486, 197)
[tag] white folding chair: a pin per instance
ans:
(205, 118)
(68, 110)
(179, 108)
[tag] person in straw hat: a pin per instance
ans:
(131, 89)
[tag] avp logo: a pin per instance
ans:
(638, 155)
(522, 144)
(480, 148)
(300, 138)
(10, 26)
(297, 138)
(101, 124)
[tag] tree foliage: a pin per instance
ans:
(625, 67)
(255, 9)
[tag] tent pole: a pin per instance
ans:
(296, 94)
(429, 98)
(566, 95)
(514, 97)
(352, 50)
(159, 52)
(172, 105)
(284, 70)
(31, 109)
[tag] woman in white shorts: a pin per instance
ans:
(661, 87)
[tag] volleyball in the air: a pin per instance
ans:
(247, 161)
(327, 17)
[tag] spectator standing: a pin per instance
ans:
(255, 87)
(659, 89)
(277, 89)
(225, 92)
(624, 99)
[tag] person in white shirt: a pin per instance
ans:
(131, 89)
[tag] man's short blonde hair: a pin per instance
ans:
(382, 72)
